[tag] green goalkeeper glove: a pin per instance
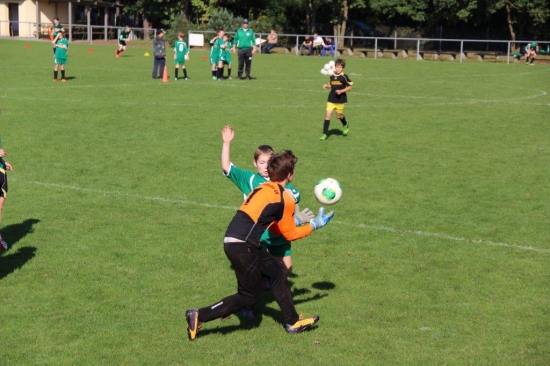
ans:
(321, 219)
(302, 217)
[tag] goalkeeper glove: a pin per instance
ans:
(321, 219)
(301, 217)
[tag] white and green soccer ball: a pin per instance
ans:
(328, 191)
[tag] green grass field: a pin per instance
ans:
(438, 253)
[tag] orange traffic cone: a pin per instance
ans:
(165, 75)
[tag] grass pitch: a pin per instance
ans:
(438, 253)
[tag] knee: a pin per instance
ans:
(339, 116)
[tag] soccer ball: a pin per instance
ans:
(324, 72)
(328, 191)
(327, 67)
(332, 63)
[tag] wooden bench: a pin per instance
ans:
(395, 53)
(437, 54)
(363, 52)
(481, 55)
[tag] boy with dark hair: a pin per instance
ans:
(216, 44)
(122, 38)
(4, 166)
(225, 57)
(60, 44)
(55, 31)
(181, 54)
(339, 84)
(269, 205)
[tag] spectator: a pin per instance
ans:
(307, 44)
(318, 44)
(328, 47)
(245, 44)
(272, 40)
(159, 54)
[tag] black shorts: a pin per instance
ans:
(3, 183)
(121, 43)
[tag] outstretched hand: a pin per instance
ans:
(228, 134)
(321, 219)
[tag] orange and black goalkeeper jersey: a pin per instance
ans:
(267, 205)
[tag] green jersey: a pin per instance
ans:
(124, 34)
(244, 38)
(215, 49)
(246, 181)
(226, 53)
(61, 53)
(181, 49)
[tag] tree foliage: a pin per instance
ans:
(516, 18)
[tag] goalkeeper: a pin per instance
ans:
(269, 205)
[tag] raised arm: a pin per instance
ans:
(227, 136)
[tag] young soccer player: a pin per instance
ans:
(4, 166)
(215, 52)
(181, 54)
(61, 45)
(55, 31)
(225, 58)
(122, 38)
(339, 84)
(247, 180)
(269, 205)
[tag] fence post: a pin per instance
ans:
(508, 55)
(461, 50)
(375, 48)
(418, 50)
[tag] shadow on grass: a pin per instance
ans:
(12, 234)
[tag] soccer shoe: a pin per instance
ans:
(248, 78)
(214, 78)
(346, 130)
(193, 323)
(64, 80)
(324, 137)
(3, 245)
(176, 79)
(185, 79)
(301, 324)
(248, 313)
(229, 77)
(55, 80)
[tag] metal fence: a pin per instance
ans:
(376, 47)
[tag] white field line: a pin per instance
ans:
(343, 223)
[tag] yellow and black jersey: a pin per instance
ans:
(338, 82)
(269, 205)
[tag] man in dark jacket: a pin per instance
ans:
(159, 54)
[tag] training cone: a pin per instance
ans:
(146, 54)
(165, 75)
(27, 46)
(91, 50)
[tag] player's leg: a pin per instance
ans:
(248, 62)
(63, 78)
(533, 57)
(229, 71)
(176, 69)
(3, 194)
(245, 259)
(277, 273)
(328, 113)
(55, 71)
(342, 118)
(241, 63)
(219, 73)
(184, 69)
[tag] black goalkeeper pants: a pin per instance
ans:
(249, 263)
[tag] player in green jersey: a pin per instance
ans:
(122, 38)
(61, 45)
(225, 58)
(4, 166)
(215, 52)
(55, 31)
(181, 54)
